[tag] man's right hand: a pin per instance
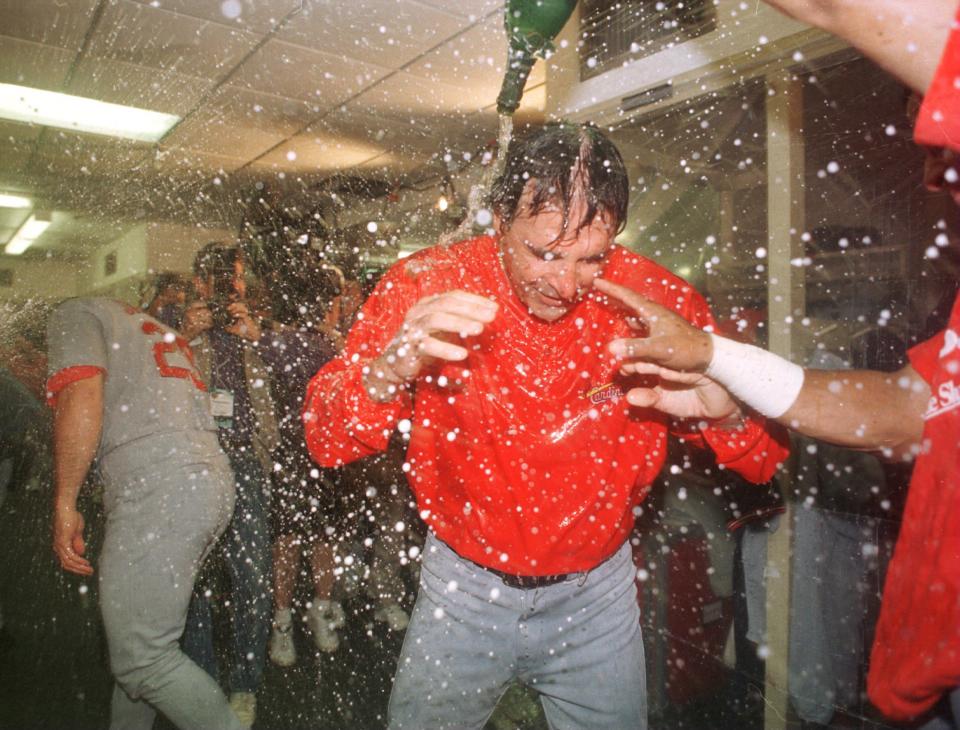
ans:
(425, 337)
(68, 541)
(197, 319)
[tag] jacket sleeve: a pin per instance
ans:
(341, 422)
(756, 447)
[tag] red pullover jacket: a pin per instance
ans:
(524, 458)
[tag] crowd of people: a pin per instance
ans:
(523, 383)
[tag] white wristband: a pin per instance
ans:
(764, 381)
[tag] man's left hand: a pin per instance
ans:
(243, 325)
(671, 344)
(681, 395)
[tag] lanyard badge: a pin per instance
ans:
(221, 406)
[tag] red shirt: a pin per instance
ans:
(916, 652)
(528, 461)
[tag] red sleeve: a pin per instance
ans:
(938, 124)
(755, 449)
(341, 422)
(925, 357)
(62, 378)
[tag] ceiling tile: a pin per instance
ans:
(184, 161)
(475, 60)
(13, 218)
(300, 73)
(317, 151)
(85, 156)
(269, 112)
(216, 135)
(147, 88)
(13, 161)
(61, 23)
(359, 124)
(147, 36)
(18, 134)
(389, 33)
(31, 64)
(467, 8)
(97, 154)
(6, 233)
(256, 16)
(405, 94)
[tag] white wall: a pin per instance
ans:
(131, 250)
(40, 278)
(171, 247)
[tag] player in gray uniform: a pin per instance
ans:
(125, 390)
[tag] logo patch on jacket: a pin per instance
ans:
(603, 393)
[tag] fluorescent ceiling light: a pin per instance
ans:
(14, 201)
(23, 104)
(32, 228)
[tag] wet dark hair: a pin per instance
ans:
(215, 258)
(562, 160)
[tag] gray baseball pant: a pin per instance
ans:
(159, 528)
(576, 643)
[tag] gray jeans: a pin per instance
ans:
(831, 592)
(576, 643)
(159, 527)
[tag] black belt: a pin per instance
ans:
(530, 581)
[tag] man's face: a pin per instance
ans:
(550, 267)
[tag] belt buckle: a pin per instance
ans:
(527, 582)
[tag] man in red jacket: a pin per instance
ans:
(915, 663)
(527, 463)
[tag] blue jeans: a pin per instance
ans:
(247, 554)
(576, 643)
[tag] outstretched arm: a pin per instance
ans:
(906, 37)
(76, 434)
(862, 409)
(856, 408)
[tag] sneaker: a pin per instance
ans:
(244, 706)
(338, 619)
(281, 650)
(392, 615)
(323, 620)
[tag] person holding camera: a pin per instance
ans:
(224, 337)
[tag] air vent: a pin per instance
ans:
(617, 31)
